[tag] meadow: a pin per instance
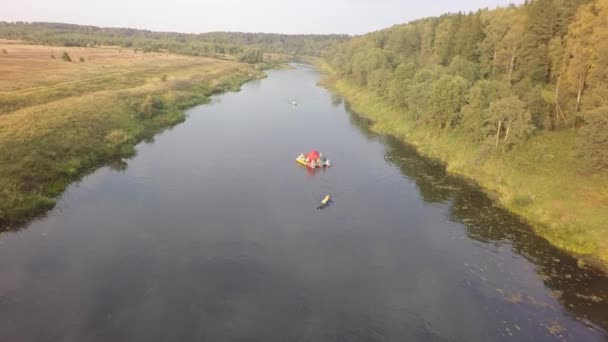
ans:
(67, 110)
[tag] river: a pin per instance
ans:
(211, 233)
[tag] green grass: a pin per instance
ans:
(543, 180)
(54, 134)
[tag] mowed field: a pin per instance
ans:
(59, 119)
(33, 74)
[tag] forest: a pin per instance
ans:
(498, 76)
(204, 44)
(514, 99)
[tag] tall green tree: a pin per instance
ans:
(587, 47)
(509, 122)
(447, 98)
(418, 95)
(593, 138)
(464, 68)
(478, 99)
(509, 48)
(401, 81)
(496, 25)
(445, 35)
(539, 30)
(470, 34)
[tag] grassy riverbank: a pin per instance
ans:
(542, 181)
(60, 119)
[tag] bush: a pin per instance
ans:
(81, 59)
(66, 57)
(117, 137)
(150, 106)
(163, 78)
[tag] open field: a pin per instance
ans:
(543, 181)
(59, 119)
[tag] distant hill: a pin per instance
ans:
(204, 44)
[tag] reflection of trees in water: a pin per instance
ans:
(361, 122)
(584, 292)
(336, 100)
(118, 165)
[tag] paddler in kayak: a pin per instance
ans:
(324, 202)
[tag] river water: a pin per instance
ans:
(211, 233)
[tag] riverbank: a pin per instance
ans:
(567, 206)
(59, 119)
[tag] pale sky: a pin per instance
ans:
(280, 16)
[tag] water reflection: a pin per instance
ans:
(336, 100)
(582, 291)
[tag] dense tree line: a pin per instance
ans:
(251, 56)
(204, 44)
(498, 75)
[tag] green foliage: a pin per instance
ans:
(117, 137)
(365, 62)
(509, 122)
(150, 106)
(464, 68)
(593, 137)
(401, 81)
(479, 98)
(66, 57)
(447, 98)
(419, 92)
(495, 75)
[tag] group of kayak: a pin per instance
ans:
(315, 160)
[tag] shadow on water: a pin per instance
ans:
(582, 291)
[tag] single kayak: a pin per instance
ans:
(324, 202)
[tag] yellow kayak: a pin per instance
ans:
(325, 202)
(302, 161)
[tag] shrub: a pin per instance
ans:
(117, 137)
(66, 57)
(163, 78)
(81, 59)
(150, 106)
